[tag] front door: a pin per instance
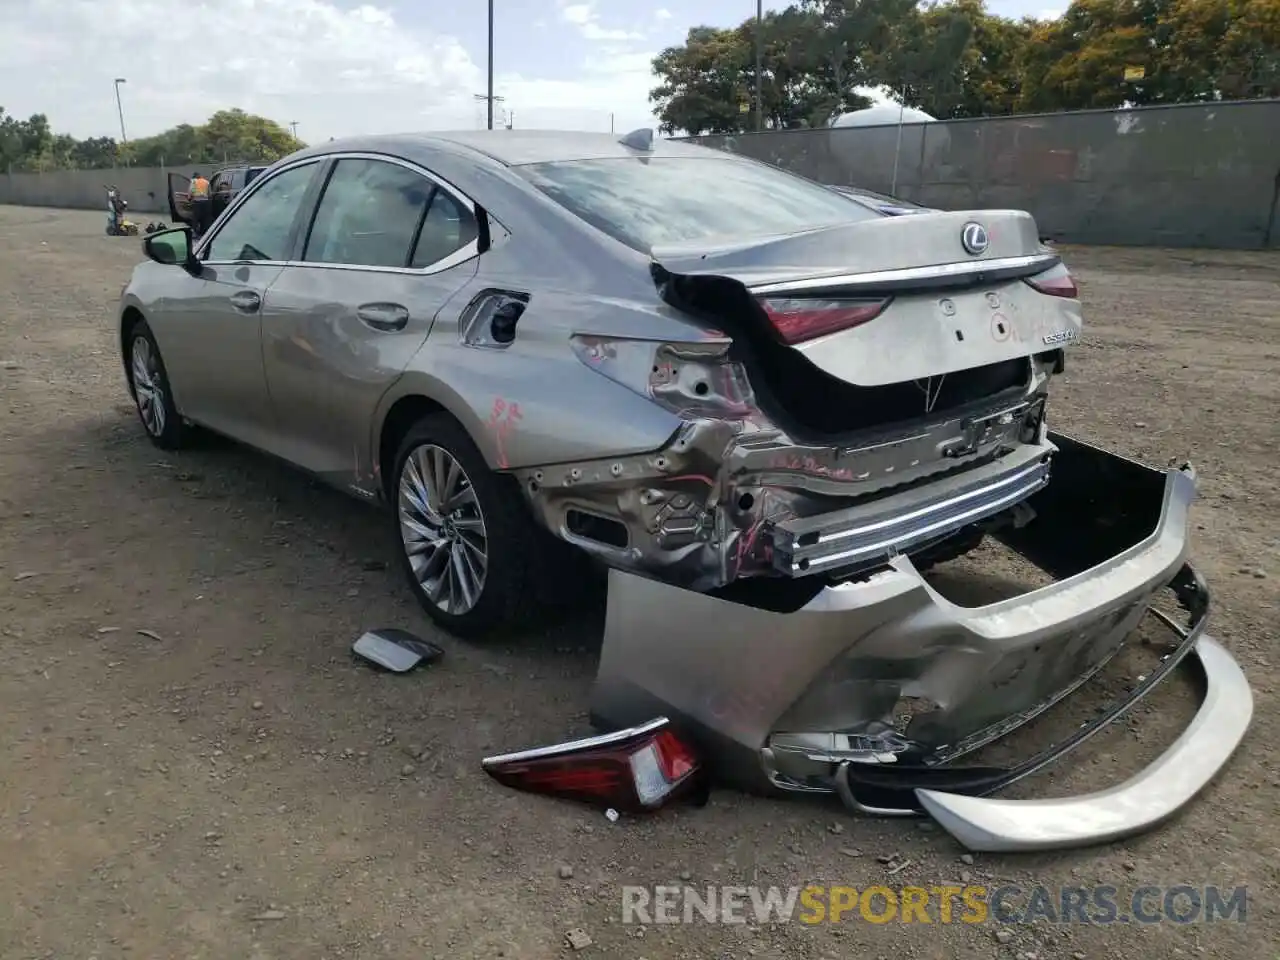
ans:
(387, 250)
(215, 361)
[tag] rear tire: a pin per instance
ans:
(152, 394)
(467, 543)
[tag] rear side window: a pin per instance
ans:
(369, 214)
(448, 227)
(648, 201)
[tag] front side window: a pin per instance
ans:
(369, 215)
(261, 227)
(646, 201)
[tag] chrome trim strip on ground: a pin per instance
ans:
(603, 740)
(987, 824)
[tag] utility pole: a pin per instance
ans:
(491, 64)
(293, 125)
(492, 100)
(611, 123)
(759, 44)
(120, 109)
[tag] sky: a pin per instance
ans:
(344, 67)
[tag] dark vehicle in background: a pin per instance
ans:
(225, 185)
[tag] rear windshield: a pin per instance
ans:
(654, 200)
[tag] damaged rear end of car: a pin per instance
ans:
(857, 402)
(828, 418)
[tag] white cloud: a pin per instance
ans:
(584, 17)
(662, 13)
(579, 13)
(335, 71)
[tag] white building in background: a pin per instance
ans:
(852, 152)
(879, 114)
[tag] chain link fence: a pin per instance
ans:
(1203, 175)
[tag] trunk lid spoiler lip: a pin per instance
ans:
(826, 257)
(763, 281)
(936, 276)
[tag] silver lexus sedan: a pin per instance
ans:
(764, 407)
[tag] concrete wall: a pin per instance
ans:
(1205, 176)
(144, 188)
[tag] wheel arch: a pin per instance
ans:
(396, 423)
(130, 317)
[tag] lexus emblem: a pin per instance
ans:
(974, 238)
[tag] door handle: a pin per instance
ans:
(246, 301)
(383, 316)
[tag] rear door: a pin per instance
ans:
(180, 199)
(388, 247)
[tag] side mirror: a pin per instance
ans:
(172, 248)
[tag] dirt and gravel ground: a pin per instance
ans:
(229, 783)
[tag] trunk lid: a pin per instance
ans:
(926, 239)
(952, 302)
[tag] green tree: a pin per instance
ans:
(704, 85)
(229, 135)
(1249, 54)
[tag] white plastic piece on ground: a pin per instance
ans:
(396, 650)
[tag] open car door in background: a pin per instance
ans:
(223, 187)
(180, 199)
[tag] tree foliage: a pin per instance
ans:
(229, 135)
(955, 59)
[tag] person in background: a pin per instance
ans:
(201, 208)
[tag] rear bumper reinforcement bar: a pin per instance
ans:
(901, 522)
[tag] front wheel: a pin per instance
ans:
(152, 395)
(468, 545)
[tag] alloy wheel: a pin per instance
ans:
(148, 386)
(442, 528)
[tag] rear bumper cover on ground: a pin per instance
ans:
(1153, 795)
(812, 700)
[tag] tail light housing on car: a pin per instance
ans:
(691, 379)
(798, 320)
(634, 770)
(1056, 282)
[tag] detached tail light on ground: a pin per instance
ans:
(1056, 282)
(634, 770)
(798, 320)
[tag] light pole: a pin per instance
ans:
(492, 99)
(293, 125)
(120, 109)
(490, 64)
(759, 43)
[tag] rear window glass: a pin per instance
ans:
(645, 202)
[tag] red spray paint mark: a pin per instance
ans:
(502, 421)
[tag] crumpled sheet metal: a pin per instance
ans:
(735, 675)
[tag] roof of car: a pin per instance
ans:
(517, 147)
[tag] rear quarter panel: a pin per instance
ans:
(533, 402)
